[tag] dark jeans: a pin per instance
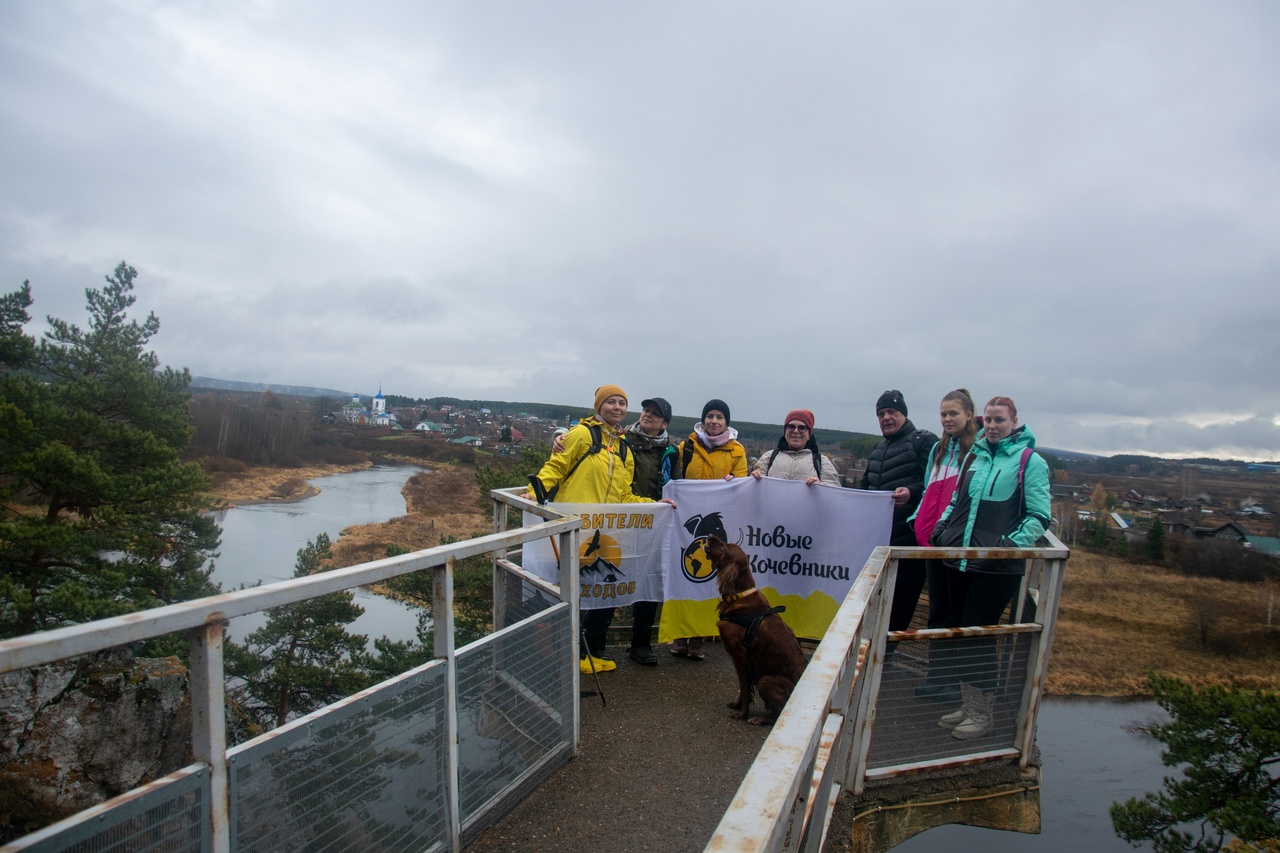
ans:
(965, 600)
(906, 594)
(596, 625)
(643, 614)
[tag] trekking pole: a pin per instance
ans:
(596, 675)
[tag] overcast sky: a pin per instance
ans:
(1076, 204)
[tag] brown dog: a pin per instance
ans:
(764, 649)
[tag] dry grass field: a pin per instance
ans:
(269, 485)
(1120, 619)
(1117, 620)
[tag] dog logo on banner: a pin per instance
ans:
(695, 563)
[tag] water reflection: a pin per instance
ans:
(260, 542)
(1092, 757)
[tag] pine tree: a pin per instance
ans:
(1155, 541)
(303, 658)
(101, 516)
(1227, 742)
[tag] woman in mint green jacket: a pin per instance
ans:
(1002, 501)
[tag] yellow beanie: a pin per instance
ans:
(604, 392)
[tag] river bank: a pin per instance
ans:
(1117, 619)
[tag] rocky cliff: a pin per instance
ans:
(83, 730)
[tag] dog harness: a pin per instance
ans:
(750, 621)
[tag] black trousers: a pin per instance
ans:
(962, 600)
(596, 625)
(643, 614)
(906, 594)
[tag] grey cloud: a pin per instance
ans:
(1074, 204)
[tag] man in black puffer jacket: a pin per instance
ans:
(897, 464)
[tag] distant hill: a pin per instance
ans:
(1069, 455)
(258, 387)
(681, 425)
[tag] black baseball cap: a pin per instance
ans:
(661, 405)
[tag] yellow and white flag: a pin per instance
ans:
(806, 545)
(619, 554)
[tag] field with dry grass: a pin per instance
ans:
(266, 484)
(1117, 620)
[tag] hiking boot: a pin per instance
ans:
(601, 665)
(979, 717)
(958, 716)
(643, 655)
(695, 649)
(680, 647)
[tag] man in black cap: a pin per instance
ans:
(657, 463)
(897, 464)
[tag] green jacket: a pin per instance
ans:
(988, 509)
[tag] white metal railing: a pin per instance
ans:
(819, 746)
(203, 620)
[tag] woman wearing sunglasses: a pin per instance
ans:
(796, 456)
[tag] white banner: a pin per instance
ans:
(619, 553)
(806, 545)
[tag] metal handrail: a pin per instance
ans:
(203, 620)
(819, 745)
(49, 646)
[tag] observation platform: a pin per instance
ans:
(660, 761)
(656, 766)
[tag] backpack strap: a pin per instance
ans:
(686, 455)
(1022, 464)
(769, 464)
(545, 495)
(1022, 469)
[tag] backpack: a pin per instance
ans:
(544, 495)
(817, 461)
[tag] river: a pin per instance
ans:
(1092, 757)
(260, 542)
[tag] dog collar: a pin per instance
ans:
(735, 596)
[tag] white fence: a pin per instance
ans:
(821, 745)
(421, 761)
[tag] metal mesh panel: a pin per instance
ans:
(171, 816)
(365, 774)
(907, 726)
(515, 708)
(523, 600)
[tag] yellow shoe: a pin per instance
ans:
(602, 665)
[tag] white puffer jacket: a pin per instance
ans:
(796, 465)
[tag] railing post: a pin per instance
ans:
(864, 719)
(1038, 663)
(209, 726)
(442, 616)
(569, 595)
(498, 579)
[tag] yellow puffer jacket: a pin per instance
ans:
(601, 478)
(704, 464)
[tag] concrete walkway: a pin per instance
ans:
(656, 767)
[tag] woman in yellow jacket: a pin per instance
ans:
(579, 475)
(711, 452)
